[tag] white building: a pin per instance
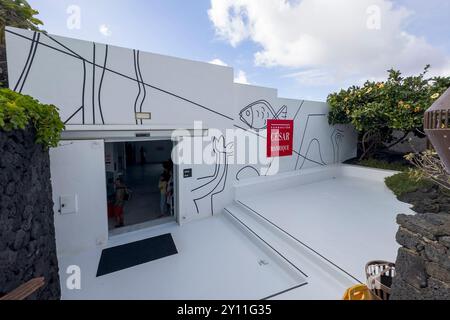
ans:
(125, 109)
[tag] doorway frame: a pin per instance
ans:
(134, 136)
(147, 225)
(133, 133)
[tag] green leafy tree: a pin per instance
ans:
(376, 109)
(14, 13)
(18, 111)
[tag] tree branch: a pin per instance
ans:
(398, 141)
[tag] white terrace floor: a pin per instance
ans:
(306, 237)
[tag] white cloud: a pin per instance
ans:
(105, 30)
(231, 27)
(241, 77)
(218, 62)
(328, 41)
(312, 77)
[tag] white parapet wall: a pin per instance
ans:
(265, 185)
(378, 175)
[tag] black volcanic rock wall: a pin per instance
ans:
(423, 262)
(27, 235)
(3, 67)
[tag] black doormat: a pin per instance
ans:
(136, 253)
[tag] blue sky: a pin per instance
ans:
(304, 48)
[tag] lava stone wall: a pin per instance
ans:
(27, 234)
(423, 262)
(3, 67)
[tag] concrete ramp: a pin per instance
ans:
(335, 224)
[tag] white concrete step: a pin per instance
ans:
(292, 240)
(317, 270)
(269, 239)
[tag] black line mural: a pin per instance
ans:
(247, 172)
(314, 152)
(82, 108)
(256, 114)
(263, 137)
(26, 62)
(264, 111)
(135, 56)
(101, 84)
(36, 44)
(73, 115)
(314, 146)
(306, 157)
(99, 91)
(59, 43)
(337, 138)
(70, 52)
(140, 79)
(93, 93)
(299, 109)
(83, 94)
(29, 62)
(216, 167)
(313, 142)
(216, 185)
(93, 81)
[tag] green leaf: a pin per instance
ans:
(18, 111)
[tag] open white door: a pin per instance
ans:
(79, 195)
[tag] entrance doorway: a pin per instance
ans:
(140, 184)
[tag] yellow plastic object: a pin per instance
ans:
(358, 292)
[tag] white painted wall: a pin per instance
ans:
(57, 76)
(177, 92)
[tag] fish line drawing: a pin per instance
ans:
(256, 114)
(206, 192)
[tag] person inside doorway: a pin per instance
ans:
(119, 202)
(162, 185)
(170, 188)
(143, 156)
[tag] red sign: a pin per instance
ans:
(280, 138)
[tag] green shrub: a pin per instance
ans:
(404, 182)
(17, 111)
